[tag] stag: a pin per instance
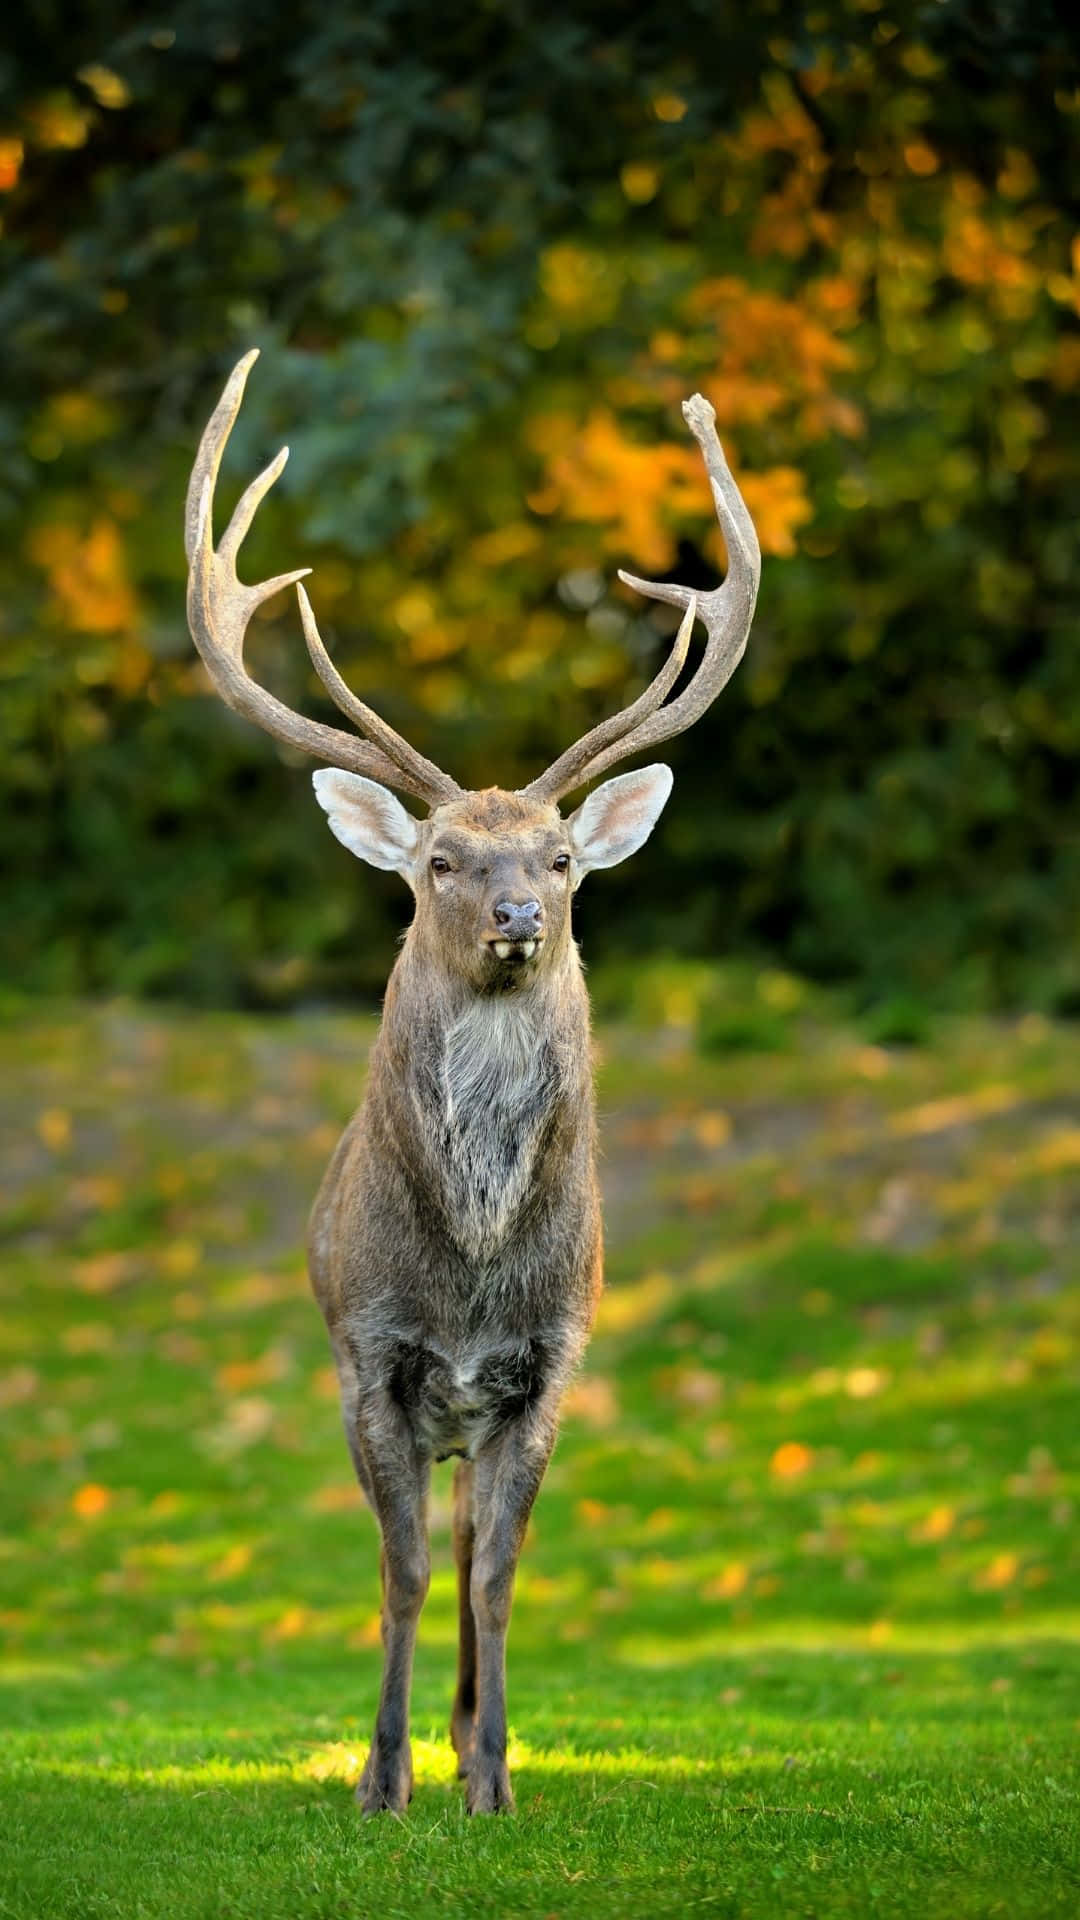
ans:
(455, 1244)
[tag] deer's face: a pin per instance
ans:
(493, 879)
(494, 872)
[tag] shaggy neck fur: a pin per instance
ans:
(499, 1079)
(485, 1074)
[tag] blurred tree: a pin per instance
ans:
(486, 255)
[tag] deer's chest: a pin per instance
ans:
(494, 1093)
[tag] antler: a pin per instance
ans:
(220, 607)
(726, 612)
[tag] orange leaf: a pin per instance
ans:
(368, 1635)
(54, 1128)
(790, 1460)
(938, 1524)
(236, 1561)
(90, 1500)
(293, 1622)
(726, 1584)
(593, 1512)
(337, 1496)
(592, 1400)
(1001, 1572)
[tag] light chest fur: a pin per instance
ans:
(495, 1092)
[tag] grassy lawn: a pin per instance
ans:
(797, 1624)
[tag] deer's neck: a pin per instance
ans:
(492, 1094)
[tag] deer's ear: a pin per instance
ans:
(618, 817)
(368, 820)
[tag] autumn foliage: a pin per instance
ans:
(485, 263)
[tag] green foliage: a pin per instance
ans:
(485, 254)
(742, 1013)
(796, 1622)
(901, 1021)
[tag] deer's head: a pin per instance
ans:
(492, 871)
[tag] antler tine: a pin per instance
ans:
(727, 613)
(379, 731)
(220, 607)
(563, 774)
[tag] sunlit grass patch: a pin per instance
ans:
(796, 1627)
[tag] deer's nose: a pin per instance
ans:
(518, 919)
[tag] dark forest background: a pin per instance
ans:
(485, 252)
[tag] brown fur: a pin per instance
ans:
(455, 1251)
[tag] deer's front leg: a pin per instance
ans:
(395, 1478)
(507, 1476)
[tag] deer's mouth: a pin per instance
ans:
(516, 950)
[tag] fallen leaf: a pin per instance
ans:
(87, 1336)
(54, 1128)
(90, 1500)
(726, 1584)
(178, 1258)
(18, 1385)
(592, 1399)
(238, 1375)
(624, 1308)
(338, 1496)
(790, 1459)
(1000, 1572)
(292, 1623)
(236, 1561)
(713, 1128)
(594, 1513)
(936, 1116)
(660, 1521)
(863, 1382)
(104, 1271)
(938, 1525)
(369, 1635)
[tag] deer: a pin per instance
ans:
(455, 1245)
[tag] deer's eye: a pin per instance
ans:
(560, 863)
(439, 865)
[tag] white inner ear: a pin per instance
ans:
(368, 820)
(618, 817)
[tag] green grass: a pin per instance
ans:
(797, 1622)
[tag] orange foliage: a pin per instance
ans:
(788, 218)
(774, 355)
(88, 575)
(638, 493)
(628, 489)
(778, 505)
(11, 159)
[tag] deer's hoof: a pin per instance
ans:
(489, 1789)
(385, 1784)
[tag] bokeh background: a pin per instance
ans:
(486, 252)
(797, 1625)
